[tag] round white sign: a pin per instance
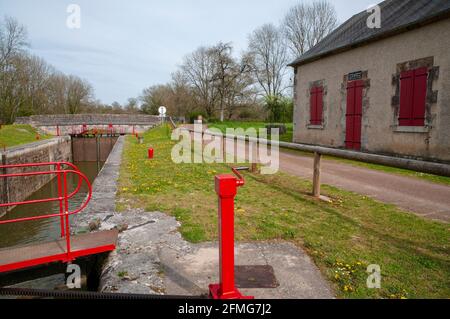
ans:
(162, 110)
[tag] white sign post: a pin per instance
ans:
(162, 113)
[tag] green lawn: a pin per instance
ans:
(12, 135)
(343, 237)
(222, 126)
(288, 138)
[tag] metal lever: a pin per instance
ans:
(236, 170)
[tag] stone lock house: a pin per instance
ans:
(380, 90)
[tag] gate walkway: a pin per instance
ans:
(55, 251)
(68, 247)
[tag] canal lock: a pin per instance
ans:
(89, 153)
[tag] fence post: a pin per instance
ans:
(316, 176)
(5, 194)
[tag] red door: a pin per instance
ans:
(354, 115)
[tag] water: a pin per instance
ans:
(44, 230)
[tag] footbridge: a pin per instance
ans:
(75, 124)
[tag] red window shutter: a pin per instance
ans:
(319, 105)
(316, 105)
(313, 106)
(420, 96)
(406, 98)
(413, 95)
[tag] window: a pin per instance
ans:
(413, 92)
(316, 105)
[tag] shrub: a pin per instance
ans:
(280, 109)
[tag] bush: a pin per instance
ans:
(193, 116)
(280, 109)
(246, 115)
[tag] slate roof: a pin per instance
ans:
(396, 16)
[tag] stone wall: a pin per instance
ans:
(381, 62)
(16, 189)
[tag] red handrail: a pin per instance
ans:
(63, 195)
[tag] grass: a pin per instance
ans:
(342, 237)
(222, 126)
(13, 135)
(288, 138)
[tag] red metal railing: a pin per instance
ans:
(63, 195)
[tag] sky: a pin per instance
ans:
(123, 46)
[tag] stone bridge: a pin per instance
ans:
(66, 124)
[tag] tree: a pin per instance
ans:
(198, 68)
(78, 93)
(307, 24)
(230, 77)
(13, 39)
(280, 109)
(132, 105)
(154, 97)
(182, 99)
(268, 58)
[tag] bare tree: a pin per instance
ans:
(153, 97)
(12, 68)
(268, 56)
(230, 77)
(13, 39)
(78, 93)
(182, 99)
(307, 24)
(223, 65)
(198, 68)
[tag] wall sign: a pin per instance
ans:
(355, 76)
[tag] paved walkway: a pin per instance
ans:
(421, 197)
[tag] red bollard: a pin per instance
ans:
(150, 153)
(226, 189)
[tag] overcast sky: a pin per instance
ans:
(124, 46)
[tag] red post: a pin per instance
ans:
(60, 197)
(226, 189)
(57, 130)
(150, 153)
